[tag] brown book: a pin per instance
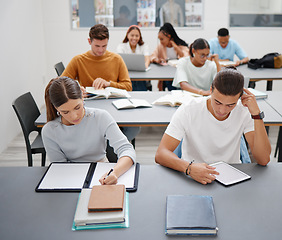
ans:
(106, 198)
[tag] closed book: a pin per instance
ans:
(258, 94)
(106, 198)
(83, 217)
(190, 215)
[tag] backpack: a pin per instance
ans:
(270, 60)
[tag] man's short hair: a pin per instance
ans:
(99, 31)
(229, 82)
(223, 32)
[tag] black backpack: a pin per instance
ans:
(270, 60)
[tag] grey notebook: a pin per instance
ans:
(190, 215)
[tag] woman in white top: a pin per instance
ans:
(133, 43)
(196, 72)
(74, 133)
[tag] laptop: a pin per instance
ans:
(134, 62)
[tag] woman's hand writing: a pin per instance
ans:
(108, 179)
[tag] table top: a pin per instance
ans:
(155, 116)
(248, 210)
(167, 73)
(157, 72)
(160, 115)
(272, 117)
(261, 73)
(274, 100)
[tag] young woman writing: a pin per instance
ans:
(74, 133)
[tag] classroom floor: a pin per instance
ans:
(146, 145)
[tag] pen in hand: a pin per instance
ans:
(108, 173)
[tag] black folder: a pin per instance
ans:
(72, 177)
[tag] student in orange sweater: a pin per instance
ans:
(98, 67)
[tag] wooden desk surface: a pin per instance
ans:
(249, 210)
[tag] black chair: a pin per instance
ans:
(277, 143)
(27, 112)
(59, 67)
(112, 157)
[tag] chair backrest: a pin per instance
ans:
(27, 112)
(59, 67)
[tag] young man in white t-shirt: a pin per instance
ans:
(211, 129)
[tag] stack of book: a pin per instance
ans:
(103, 206)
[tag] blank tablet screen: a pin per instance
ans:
(228, 174)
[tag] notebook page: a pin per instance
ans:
(127, 178)
(65, 176)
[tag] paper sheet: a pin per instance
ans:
(65, 176)
(127, 178)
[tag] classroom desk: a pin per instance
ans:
(249, 210)
(157, 115)
(274, 99)
(166, 73)
(268, 74)
(157, 72)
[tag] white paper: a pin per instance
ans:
(108, 91)
(65, 176)
(227, 63)
(126, 179)
(130, 103)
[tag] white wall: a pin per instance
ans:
(62, 43)
(22, 60)
(37, 34)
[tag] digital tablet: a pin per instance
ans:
(228, 174)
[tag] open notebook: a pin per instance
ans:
(72, 177)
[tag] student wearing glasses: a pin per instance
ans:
(196, 72)
(75, 133)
